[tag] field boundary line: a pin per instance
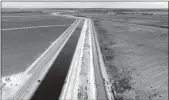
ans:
(30, 19)
(7, 29)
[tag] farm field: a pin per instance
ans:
(26, 36)
(135, 52)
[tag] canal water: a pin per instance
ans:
(51, 86)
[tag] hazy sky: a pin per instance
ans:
(85, 4)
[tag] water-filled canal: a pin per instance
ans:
(51, 86)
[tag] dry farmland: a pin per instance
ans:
(135, 51)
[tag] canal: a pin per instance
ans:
(50, 88)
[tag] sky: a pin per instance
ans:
(84, 5)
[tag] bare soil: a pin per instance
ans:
(135, 55)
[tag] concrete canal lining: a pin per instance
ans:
(51, 86)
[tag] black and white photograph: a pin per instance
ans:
(84, 50)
